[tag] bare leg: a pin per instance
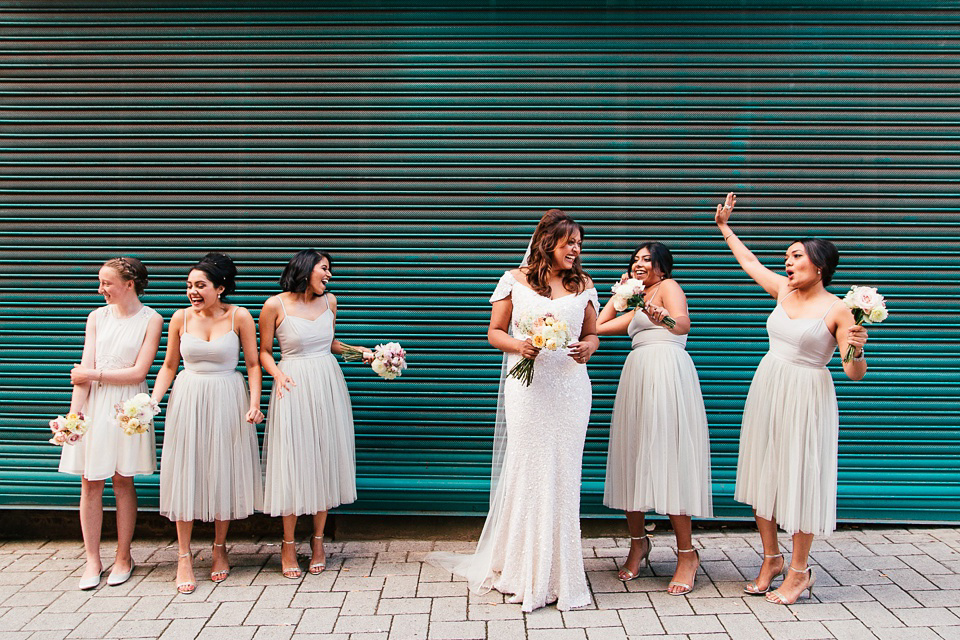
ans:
(289, 565)
(186, 582)
(221, 563)
(772, 558)
(639, 545)
(797, 579)
(318, 558)
(126, 495)
(91, 523)
(687, 563)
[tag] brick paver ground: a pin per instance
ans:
(897, 584)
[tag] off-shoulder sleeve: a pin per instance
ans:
(593, 298)
(504, 287)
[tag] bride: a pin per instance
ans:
(530, 544)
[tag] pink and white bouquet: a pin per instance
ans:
(136, 414)
(389, 360)
(68, 429)
(628, 293)
(868, 307)
(545, 332)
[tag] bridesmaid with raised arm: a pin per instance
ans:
(659, 452)
(210, 466)
(308, 449)
(787, 468)
(119, 346)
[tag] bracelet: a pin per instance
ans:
(861, 357)
(99, 376)
(729, 236)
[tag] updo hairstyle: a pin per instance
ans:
(130, 269)
(220, 270)
(296, 275)
(660, 257)
(823, 254)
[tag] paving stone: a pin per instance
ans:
(605, 582)
(360, 603)
(409, 627)
(909, 579)
(702, 606)
(640, 622)
(138, 629)
(668, 605)
(873, 614)
(767, 611)
(743, 626)
(224, 593)
(844, 595)
(228, 633)
(182, 630)
(317, 621)
(44, 621)
(948, 633)
(940, 598)
(607, 633)
(405, 606)
(849, 630)
(96, 625)
(925, 565)
(544, 618)
(261, 616)
(365, 624)
(441, 589)
(622, 600)
(892, 596)
(494, 612)
(410, 545)
(230, 614)
(821, 611)
(449, 609)
(720, 571)
(457, 631)
(915, 633)
(179, 610)
(358, 584)
(556, 634)
(399, 587)
(926, 617)
(506, 630)
(369, 636)
(797, 630)
(586, 619)
(857, 577)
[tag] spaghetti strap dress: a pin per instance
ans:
(105, 449)
(210, 462)
(308, 450)
(787, 467)
(659, 452)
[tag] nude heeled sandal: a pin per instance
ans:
(753, 588)
(687, 588)
(219, 576)
(293, 572)
(644, 558)
(317, 567)
(778, 598)
(190, 586)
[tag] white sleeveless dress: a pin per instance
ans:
(105, 450)
(534, 550)
(210, 463)
(308, 449)
(787, 469)
(659, 453)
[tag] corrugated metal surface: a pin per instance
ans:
(421, 146)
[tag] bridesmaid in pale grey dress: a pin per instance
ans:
(210, 468)
(787, 468)
(308, 449)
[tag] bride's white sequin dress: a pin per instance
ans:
(531, 547)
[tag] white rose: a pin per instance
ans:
(619, 303)
(867, 298)
(879, 314)
(551, 344)
(378, 367)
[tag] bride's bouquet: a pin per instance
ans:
(68, 429)
(628, 293)
(136, 414)
(389, 360)
(868, 307)
(546, 332)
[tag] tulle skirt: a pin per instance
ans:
(105, 449)
(210, 464)
(309, 450)
(659, 452)
(787, 469)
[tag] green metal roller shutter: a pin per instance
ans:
(420, 146)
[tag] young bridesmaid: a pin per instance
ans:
(659, 452)
(787, 467)
(308, 449)
(120, 344)
(210, 465)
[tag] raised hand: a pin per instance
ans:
(724, 210)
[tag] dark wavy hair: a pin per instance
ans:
(296, 275)
(554, 227)
(660, 257)
(130, 269)
(220, 270)
(823, 254)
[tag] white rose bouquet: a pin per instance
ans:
(68, 429)
(136, 414)
(628, 293)
(545, 332)
(868, 307)
(389, 360)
